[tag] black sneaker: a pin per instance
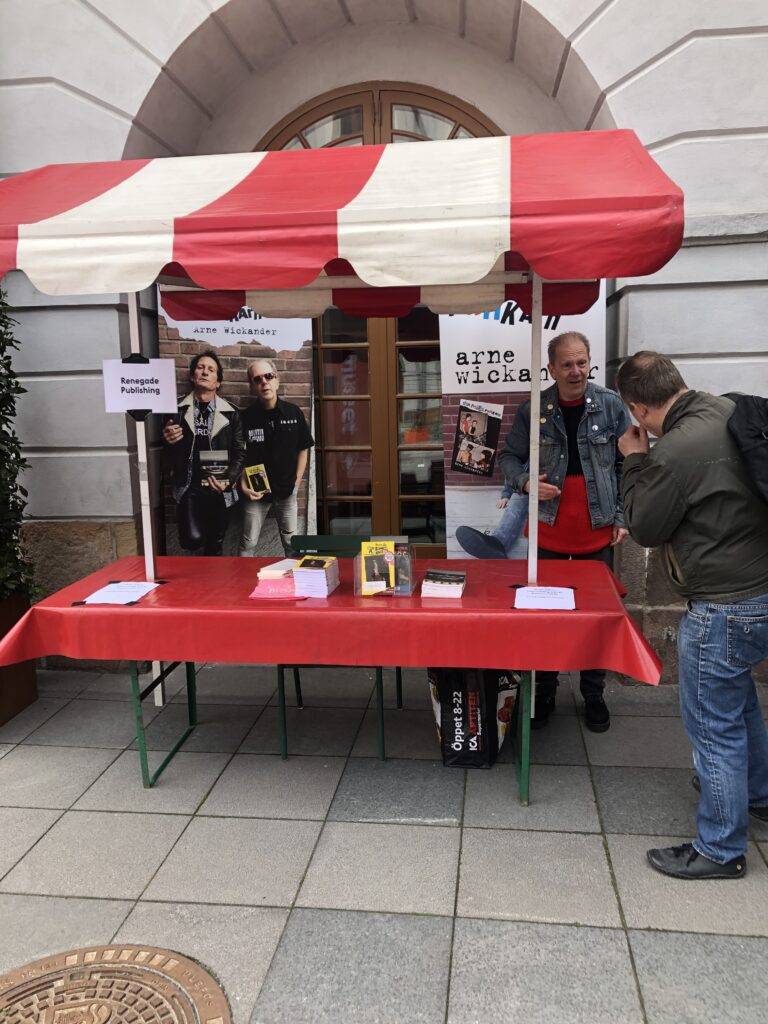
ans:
(545, 705)
(758, 811)
(597, 718)
(686, 862)
(479, 545)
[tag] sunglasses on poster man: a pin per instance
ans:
(257, 378)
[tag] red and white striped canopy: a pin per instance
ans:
(430, 217)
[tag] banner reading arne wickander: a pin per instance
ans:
(490, 354)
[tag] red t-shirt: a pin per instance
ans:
(572, 532)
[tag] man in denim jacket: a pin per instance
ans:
(691, 495)
(580, 511)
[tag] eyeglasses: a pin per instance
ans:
(257, 378)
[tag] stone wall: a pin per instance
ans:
(654, 605)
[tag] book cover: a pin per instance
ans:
(257, 479)
(445, 577)
(476, 437)
(316, 562)
(378, 566)
(214, 463)
(403, 563)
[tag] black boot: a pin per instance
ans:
(545, 705)
(597, 718)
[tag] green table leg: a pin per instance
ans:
(281, 715)
(380, 706)
(191, 693)
(140, 737)
(297, 687)
(149, 779)
(523, 744)
(399, 687)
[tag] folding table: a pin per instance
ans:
(201, 612)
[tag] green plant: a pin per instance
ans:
(15, 570)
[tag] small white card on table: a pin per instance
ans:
(554, 598)
(120, 593)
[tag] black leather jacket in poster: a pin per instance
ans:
(227, 434)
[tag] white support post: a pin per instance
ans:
(533, 452)
(134, 324)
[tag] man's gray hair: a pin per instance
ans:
(649, 378)
(567, 336)
(253, 363)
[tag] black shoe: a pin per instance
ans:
(597, 718)
(479, 545)
(756, 810)
(686, 862)
(545, 705)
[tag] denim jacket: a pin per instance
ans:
(605, 419)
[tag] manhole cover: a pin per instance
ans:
(116, 984)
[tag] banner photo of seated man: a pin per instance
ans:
(485, 376)
(261, 391)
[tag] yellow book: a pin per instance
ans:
(378, 566)
(257, 479)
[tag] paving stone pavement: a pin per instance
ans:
(333, 887)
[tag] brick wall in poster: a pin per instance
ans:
(296, 381)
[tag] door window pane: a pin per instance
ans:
(421, 324)
(423, 521)
(421, 122)
(345, 371)
(338, 327)
(420, 421)
(346, 422)
(421, 473)
(347, 473)
(294, 143)
(335, 126)
(349, 517)
(418, 369)
(462, 133)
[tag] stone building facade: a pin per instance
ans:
(109, 79)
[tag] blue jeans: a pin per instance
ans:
(718, 646)
(511, 525)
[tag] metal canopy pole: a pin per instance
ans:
(533, 452)
(134, 324)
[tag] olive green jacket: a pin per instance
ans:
(692, 495)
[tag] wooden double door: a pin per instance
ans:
(379, 402)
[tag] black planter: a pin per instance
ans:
(18, 683)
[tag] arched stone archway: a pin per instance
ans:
(507, 60)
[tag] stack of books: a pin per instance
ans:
(316, 576)
(278, 570)
(276, 580)
(443, 583)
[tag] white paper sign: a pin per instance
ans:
(491, 352)
(555, 598)
(120, 593)
(149, 385)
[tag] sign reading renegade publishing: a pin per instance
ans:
(149, 385)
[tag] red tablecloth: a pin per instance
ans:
(203, 614)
